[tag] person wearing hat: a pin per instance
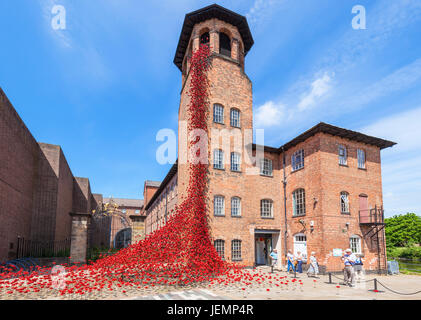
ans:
(349, 260)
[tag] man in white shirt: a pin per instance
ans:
(349, 260)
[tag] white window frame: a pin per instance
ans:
(299, 202)
(218, 159)
(219, 245)
(235, 162)
(235, 117)
(236, 207)
(218, 113)
(342, 155)
(297, 160)
(236, 250)
(266, 208)
(361, 158)
(355, 244)
(219, 206)
(266, 167)
(344, 197)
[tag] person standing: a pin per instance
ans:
(290, 259)
(274, 256)
(358, 267)
(299, 260)
(314, 266)
(349, 260)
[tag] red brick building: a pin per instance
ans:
(319, 192)
(37, 187)
(38, 191)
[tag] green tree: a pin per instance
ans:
(403, 230)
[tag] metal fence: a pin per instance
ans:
(42, 249)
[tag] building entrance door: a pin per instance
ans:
(300, 245)
(263, 244)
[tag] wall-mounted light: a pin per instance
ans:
(311, 225)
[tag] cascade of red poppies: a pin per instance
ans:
(178, 253)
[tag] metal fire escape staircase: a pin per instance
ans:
(372, 223)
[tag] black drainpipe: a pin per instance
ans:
(285, 200)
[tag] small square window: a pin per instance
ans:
(236, 250)
(219, 206)
(361, 158)
(220, 248)
(266, 208)
(235, 118)
(235, 161)
(235, 207)
(218, 159)
(343, 155)
(218, 113)
(297, 160)
(266, 167)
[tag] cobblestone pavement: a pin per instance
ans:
(303, 288)
(198, 294)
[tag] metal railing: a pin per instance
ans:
(42, 249)
(372, 216)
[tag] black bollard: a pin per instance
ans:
(330, 277)
(375, 284)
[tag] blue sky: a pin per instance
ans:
(106, 85)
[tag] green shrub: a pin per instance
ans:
(413, 253)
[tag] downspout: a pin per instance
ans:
(285, 201)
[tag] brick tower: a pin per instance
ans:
(236, 216)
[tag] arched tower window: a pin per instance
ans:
(204, 38)
(224, 44)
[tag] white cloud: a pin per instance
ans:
(269, 114)
(259, 9)
(403, 128)
(401, 172)
(319, 88)
(401, 79)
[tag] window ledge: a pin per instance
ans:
(235, 216)
(346, 213)
(343, 165)
(364, 169)
(296, 170)
(223, 169)
(236, 260)
(266, 175)
(298, 215)
(235, 127)
(236, 171)
(219, 215)
(270, 218)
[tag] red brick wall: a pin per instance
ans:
(355, 181)
(36, 186)
(162, 206)
(64, 201)
(81, 195)
(18, 163)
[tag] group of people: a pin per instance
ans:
(353, 264)
(295, 262)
